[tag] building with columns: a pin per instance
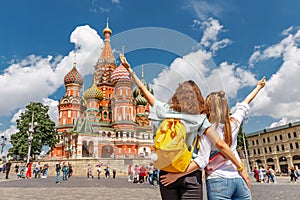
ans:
(109, 119)
(278, 147)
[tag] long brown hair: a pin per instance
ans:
(188, 99)
(217, 105)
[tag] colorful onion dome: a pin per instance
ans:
(120, 74)
(140, 100)
(73, 77)
(137, 91)
(93, 93)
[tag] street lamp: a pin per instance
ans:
(246, 152)
(30, 132)
(3, 143)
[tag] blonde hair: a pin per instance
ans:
(218, 112)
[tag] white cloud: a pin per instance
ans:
(53, 111)
(281, 122)
(205, 9)
(7, 133)
(280, 98)
(115, 1)
(227, 77)
(287, 31)
(189, 67)
(274, 51)
(35, 77)
(230, 78)
(220, 44)
(212, 28)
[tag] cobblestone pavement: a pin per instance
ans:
(119, 188)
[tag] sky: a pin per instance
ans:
(222, 45)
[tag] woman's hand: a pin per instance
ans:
(261, 83)
(169, 178)
(243, 173)
(124, 62)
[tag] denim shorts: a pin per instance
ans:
(227, 188)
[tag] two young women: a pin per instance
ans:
(224, 182)
(187, 104)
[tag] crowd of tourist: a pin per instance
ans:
(268, 175)
(141, 174)
(138, 173)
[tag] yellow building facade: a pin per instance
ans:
(277, 147)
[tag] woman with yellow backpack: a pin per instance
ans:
(222, 179)
(187, 105)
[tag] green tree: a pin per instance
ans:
(43, 132)
(240, 141)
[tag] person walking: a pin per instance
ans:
(70, 170)
(186, 104)
(99, 170)
(107, 172)
(57, 169)
(65, 171)
(129, 172)
(142, 173)
(114, 173)
(7, 168)
(29, 170)
(37, 170)
(261, 174)
(44, 171)
(293, 176)
(89, 171)
(150, 174)
(256, 174)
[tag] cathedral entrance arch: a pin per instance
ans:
(283, 165)
(91, 148)
(107, 151)
(296, 160)
(259, 163)
(87, 149)
(144, 152)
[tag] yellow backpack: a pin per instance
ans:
(170, 146)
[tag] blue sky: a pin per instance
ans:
(223, 45)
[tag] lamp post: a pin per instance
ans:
(246, 152)
(30, 132)
(3, 143)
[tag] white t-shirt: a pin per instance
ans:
(228, 169)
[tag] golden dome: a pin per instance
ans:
(107, 29)
(93, 93)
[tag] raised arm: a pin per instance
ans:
(147, 94)
(253, 93)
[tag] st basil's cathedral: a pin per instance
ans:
(109, 119)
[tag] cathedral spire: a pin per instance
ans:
(74, 64)
(142, 71)
(107, 31)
